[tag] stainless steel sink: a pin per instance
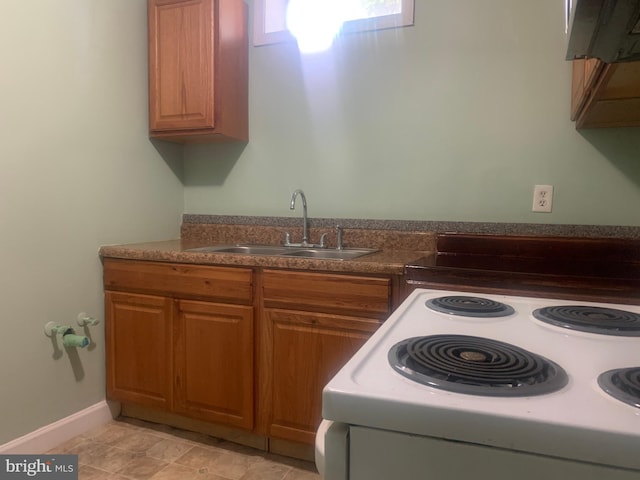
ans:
(244, 249)
(331, 253)
(275, 250)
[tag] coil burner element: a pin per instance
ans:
(475, 366)
(468, 306)
(601, 320)
(623, 384)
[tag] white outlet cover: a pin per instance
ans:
(542, 198)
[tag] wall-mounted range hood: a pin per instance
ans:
(606, 29)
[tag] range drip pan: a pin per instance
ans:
(622, 384)
(469, 306)
(584, 318)
(475, 366)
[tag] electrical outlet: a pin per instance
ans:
(542, 198)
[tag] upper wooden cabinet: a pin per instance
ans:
(605, 94)
(584, 74)
(198, 70)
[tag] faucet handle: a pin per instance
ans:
(339, 232)
(287, 238)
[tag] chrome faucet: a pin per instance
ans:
(305, 223)
(339, 233)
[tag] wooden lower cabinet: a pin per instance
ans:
(244, 348)
(139, 351)
(312, 323)
(306, 351)
(213, 351)
(186, 350)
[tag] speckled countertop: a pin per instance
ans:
(396, 248)
(399, 242)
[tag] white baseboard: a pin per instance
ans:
(56, 433)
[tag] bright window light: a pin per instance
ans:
(315, 23)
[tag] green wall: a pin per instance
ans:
(455, 118)
(78, 172)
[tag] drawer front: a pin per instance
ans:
(224, 284)
(332, 293)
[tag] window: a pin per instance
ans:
(270, 17)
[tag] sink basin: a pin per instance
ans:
(275, 250)
(331, 253)
(244, 249)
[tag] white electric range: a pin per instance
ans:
(498, 387)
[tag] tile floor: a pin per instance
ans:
(128, 449)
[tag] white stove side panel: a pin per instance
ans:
(383, 455)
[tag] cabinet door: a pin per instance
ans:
(181, 66)
(305, 350)
(198, 70)
(214, 363)
(138, 349)
(615, 99)
(585, 73)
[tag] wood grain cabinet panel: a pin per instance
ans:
(307, 350)
(605, 94)
(585, 72)
(233, 346)
(213, 345)
(138, 343)
(169, 352)
(222, 284)
(325, 292)
(198, 70)
(312, 324)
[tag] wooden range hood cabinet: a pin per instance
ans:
(605, 94)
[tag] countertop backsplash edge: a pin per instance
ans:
(488, 228)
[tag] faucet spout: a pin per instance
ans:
(305, 226)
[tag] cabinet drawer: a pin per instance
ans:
(332, 293)
(231, 285)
